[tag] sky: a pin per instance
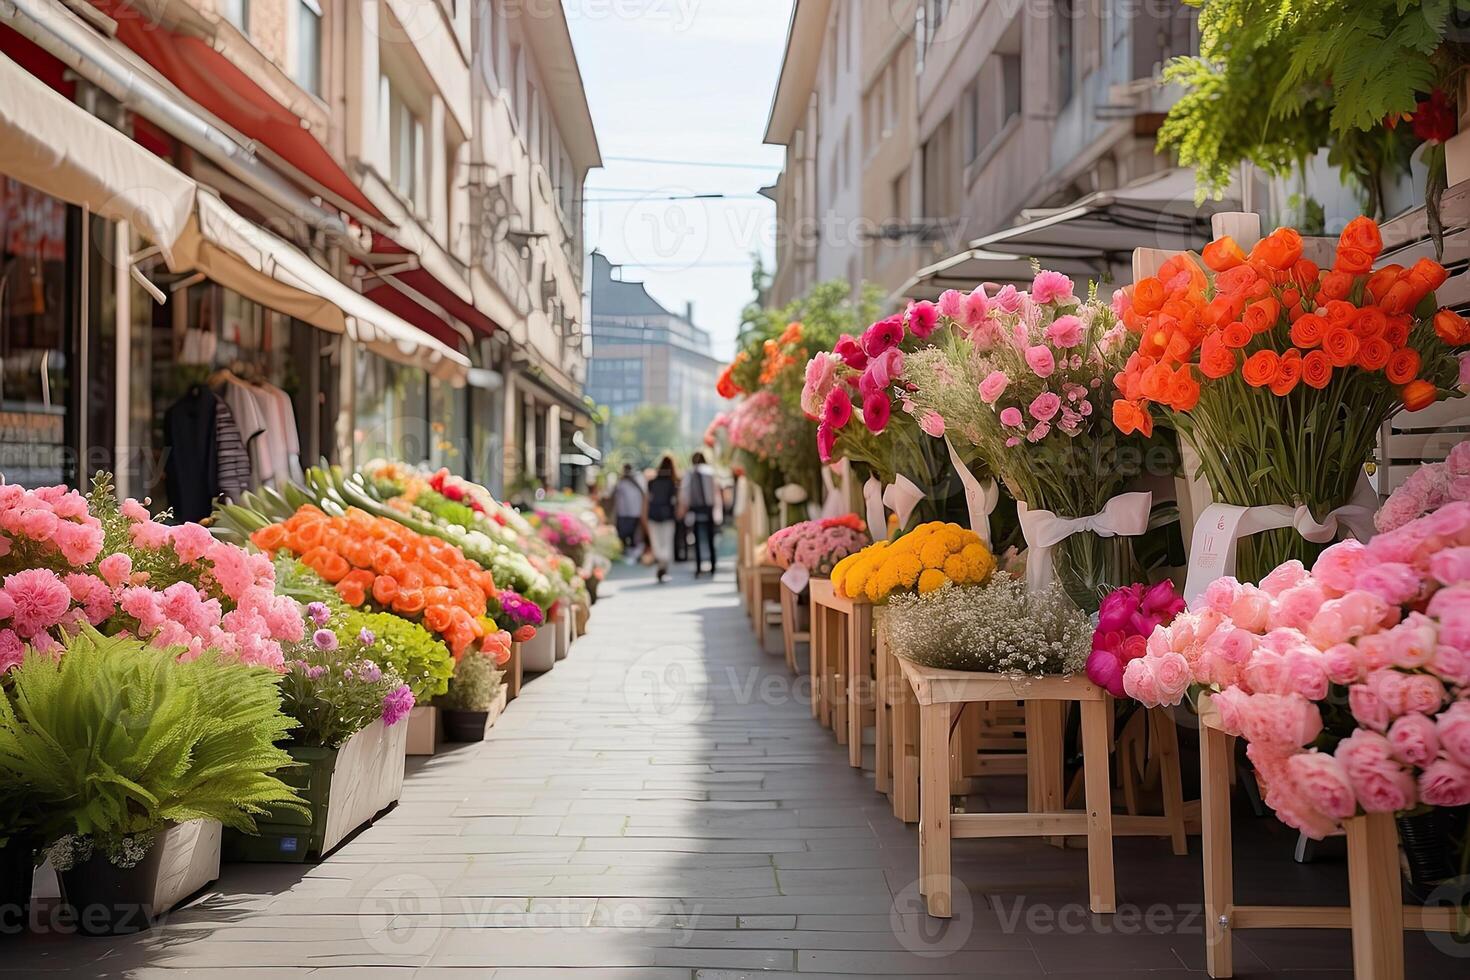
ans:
(686, 83)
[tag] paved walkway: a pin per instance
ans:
(663, 806)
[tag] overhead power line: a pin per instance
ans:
(718, 164)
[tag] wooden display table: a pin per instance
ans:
(1375, 913)
(764, 583)
(513, 673)
(795, 625)
(937, 693)
(842, 666)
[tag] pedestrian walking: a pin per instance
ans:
(628, 509)
(661, 512)
(703, 509)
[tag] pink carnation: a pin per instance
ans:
(12, 650)
(1445, 782)
(40, 600)
(149, 535)
(993, 386)
(1040, 360)
(1051, 287)
(1324, 782)
(1064, 332)
(116, 569)
(1380, 782)
(1414, 740)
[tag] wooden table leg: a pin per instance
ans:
(883, 717)
(837, 687)
(1375, 892)
(935, 869)
(1045, 729)
(514, 673)
(1214, 759)
(817, 661)
(1171, 781)
(1096, 716)
(859, 648)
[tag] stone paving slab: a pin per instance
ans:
(661, 806)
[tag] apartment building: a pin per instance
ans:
(974, 118)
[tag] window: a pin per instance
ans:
(898, 197)
(1066, 15)
(405, 145)
(1010, 86)
(237, 12)
(309, 45)
(937, 161)
(974, 122)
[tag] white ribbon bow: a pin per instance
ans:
(796, 578)
(901, 497)
(980, 498)
(1217, 534)
(873, 505)
(834, 480)
(1126, 515)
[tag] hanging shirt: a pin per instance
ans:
(253, 423)
(232, 462)
(190, 462)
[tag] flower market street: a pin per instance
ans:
(663, 805)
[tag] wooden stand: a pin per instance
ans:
(513, 673)
(842, 641)
(1375, 913)
(795, 625)
(937, 693)
(765, 585)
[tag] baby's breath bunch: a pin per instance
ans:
(998, 628)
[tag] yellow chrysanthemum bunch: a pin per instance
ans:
(922, 560)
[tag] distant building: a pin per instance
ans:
(643, 354)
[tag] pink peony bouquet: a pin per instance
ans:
(817, 545)
(1126, 619)
(1429, 487)
(753, 423)
(66, 560)
(1350, 683)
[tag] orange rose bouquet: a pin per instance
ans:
(1280, 374)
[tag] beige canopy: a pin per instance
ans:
(49, 143)
(54, 146)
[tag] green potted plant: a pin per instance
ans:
(132, 759)
(475, 699)
(348, 744)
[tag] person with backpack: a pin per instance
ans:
(628, 503)
(701, 504)
(660, 514)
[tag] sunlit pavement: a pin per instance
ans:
(662, 805)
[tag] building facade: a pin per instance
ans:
(645, 354)
(349, 201)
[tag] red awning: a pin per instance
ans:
(423, 282)
(213, 81)
(415, 313)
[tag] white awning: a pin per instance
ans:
(52, 145)
(968, 269)
(240, 255)
(1104, 228)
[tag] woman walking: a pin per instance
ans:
(660, 511)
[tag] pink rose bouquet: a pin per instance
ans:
(1429, 487)
(68, 560)
(1351, 682)
(817, 545)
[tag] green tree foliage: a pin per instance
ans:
(1278, 80)
(646, 433)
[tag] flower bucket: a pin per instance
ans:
(562, 623)
(111, 901)
(538, 654)
(461, 725)
(580, 616)
(344, 788)
(423, 730)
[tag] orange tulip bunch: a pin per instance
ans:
(1278, 373)
(1279, 321)
(373, 559)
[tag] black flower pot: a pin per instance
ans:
(1431, 842)
(17, 867)
(463, 726)
(111, 901)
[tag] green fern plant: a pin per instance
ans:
(114, 739)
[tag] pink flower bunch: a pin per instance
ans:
(49, 527)
(170, 586)
(1429, 487)
(817, 545)
(1382, 627)
(720, 423)
(862, 377)
(564, 531)
(1126, 619)
(753, 423)
(1042, 355)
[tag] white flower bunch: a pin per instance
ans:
(998, 628)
